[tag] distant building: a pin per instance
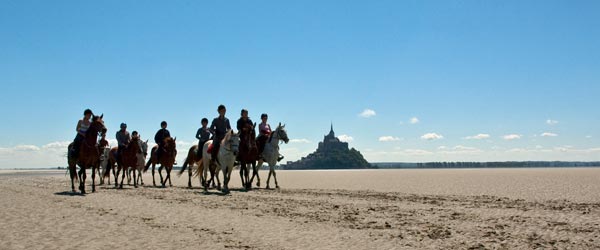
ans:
(331, 154)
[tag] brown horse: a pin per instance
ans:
(104, 150)
(129, 160)
(89, 156)
(192, 159)
(167, 160)
(248, 155)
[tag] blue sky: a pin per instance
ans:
(523, 75)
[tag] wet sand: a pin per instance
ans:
(367, 209)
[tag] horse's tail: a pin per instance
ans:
(185, 164)
(197, 171)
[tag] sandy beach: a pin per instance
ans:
(368, 209)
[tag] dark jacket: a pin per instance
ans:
(203, 134)
(241, 124)
(219, 127)
(160, 136)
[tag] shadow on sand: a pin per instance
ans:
(69, 193)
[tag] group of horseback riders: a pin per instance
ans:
(218, 128)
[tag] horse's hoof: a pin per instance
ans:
(277, 187)
(268, 187)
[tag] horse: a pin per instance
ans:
(89, 156)
(248, 155)
(131, 158)
(193, 159)
(225, 158)
(104, 149)
(167, 160)
(271, 152)
(141, 163)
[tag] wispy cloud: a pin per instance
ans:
(388, 138)
(547, 134)
(551, 122)
(511, 137)
(431, 136)
(367, 113)
(345, 138)
(478, 137)
(414, 120)
(588, 136)
(300, 141)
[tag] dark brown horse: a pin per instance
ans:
(131, 156)
(89, 155)
(248, 155)
(191, 159)
(167, 160)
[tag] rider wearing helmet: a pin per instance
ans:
(218, 127)
(123, 139)
(159, 138)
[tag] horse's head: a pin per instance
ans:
(97, 125)
(231, 142)
(144, 145)
(171, 145)
(281, 133)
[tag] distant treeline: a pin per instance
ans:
(504, 164)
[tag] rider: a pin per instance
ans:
(82, 126)
(123, 139)
(135, 135)
(243, 122)
(203, 135)
(218, 128)
(264, 132)
(159, 138)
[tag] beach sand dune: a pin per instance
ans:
(330, 211)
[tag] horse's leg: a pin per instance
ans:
(128, 176)
(134, 178)
(242, 164)
(73, 174)
(117, 176)
(190, 173)
(153, 166)
(123, 176)
(269, 177)
(140, 177)
(82, 178)
(168, 177)
(160, 174)
(274, 175)
(93, 179)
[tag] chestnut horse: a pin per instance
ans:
(191, 160)
(167, 160)
(130, 159)
(248, 155)
(89, 156)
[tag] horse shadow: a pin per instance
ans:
(69, 193)
(220, 193)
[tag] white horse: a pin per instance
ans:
(226, 158)
(271, 152)
(105, 164)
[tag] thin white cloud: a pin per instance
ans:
(547, 134)
(388, 138)
(300, 141)
(588, 136)
(431, 136)
(460, 149)
(414, 120)
(27, 148)
(551, 122)
(417, 152)
(478, 137)
(511, 137)
(345, 138)
(367, 113)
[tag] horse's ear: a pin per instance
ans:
(102, 115)
(283, 126)
(175, 139)
(146, 141)
(279, 125)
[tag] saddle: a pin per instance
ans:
(210, 149)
